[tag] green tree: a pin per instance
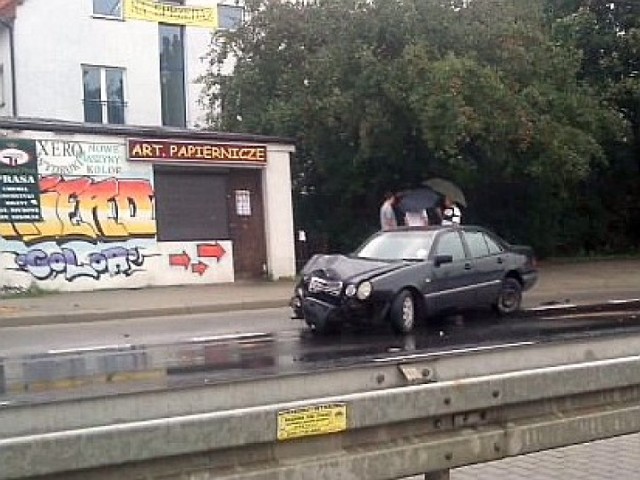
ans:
(607, 34)
(383, 94)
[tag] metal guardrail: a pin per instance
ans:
(388, 419)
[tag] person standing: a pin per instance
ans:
(388, 220)
(417, 219)
(451, 214)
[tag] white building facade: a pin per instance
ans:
(105, 96)
(57, 44)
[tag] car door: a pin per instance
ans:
(488, 265)
(450, 285)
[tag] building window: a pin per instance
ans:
(243, 203)
(108, 8)
(103, 94)
(172, 88)
(230, 16)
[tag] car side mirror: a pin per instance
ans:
(440, 259)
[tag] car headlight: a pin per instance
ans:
(364, 290)
(350, 291)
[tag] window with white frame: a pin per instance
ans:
(103, 94)
(107, 8)
(243, 203)
(230, 17)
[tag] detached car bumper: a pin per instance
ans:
(319, 313)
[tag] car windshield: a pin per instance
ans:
(397, 246)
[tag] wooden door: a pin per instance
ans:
(246, 223)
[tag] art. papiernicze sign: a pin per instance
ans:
(201, 152)
(19, 187)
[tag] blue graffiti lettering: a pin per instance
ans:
(116, 261)
(111, 261)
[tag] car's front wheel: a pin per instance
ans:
(510, 297)
(403, 312)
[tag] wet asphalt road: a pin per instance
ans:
(64, 366)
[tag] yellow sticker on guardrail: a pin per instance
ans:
(313, 420)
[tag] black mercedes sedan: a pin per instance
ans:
(404, 275)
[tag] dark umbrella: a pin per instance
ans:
(448, 189)
(418, 199)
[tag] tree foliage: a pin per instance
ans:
(532, 107)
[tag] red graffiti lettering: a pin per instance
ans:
(83, 209)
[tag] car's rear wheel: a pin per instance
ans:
(510, 297)
(403, 312)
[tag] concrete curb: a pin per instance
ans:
(95, 316)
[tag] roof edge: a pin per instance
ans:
(63, 126)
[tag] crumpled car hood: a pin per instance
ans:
(341, 267)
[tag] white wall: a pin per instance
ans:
(55, 37)
(6, 107)
(279, 212)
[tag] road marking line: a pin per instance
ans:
(455, 351)
(233, 336)
(96, 348)
(552, 307)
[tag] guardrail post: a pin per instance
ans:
(440, 475)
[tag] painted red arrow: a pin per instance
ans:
(199, 268)
(211, 250)
(180, 260)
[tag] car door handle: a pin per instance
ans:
(467, 266)
(500, 260)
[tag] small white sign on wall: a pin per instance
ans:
(243, 203)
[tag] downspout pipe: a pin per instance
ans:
(12, 62)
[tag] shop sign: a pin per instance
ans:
(161, 150)
(71, 158)
(19, 186)
(153, 11)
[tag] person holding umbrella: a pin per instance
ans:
(451, 214)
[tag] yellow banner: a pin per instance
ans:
(153, 11)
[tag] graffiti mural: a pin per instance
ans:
(85, 209)
(112, 261)
(96, 226)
